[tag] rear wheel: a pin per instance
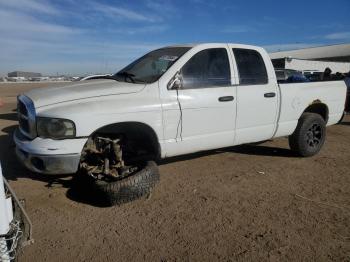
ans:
(309, 136)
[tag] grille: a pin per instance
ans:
(23, 124)
(22, 108)
(23, 117)
(26, 116)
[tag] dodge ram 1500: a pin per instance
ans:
(172, 101)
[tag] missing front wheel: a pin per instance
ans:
(102, 158)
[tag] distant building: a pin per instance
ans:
(336, 57)
(23, 74)
(334, 53)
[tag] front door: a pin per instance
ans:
(207, 103)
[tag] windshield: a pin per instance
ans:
(150, 67)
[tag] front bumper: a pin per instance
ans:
(47, 156)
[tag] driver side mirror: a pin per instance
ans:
(175, 83)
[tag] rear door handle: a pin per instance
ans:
(226, 98)
(268, 95)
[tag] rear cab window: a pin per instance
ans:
(251, 67)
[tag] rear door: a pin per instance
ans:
(257, 97)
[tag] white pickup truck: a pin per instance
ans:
(172, 101)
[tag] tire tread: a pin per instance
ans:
(130, 188)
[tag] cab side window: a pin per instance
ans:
(208, 68)
(251, 67)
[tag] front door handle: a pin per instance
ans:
(268, 95)
(226, 98)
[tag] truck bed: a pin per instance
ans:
(295, 97)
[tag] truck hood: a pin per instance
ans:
(81, 90)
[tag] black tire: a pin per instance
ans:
(309, 136)
(130, 188)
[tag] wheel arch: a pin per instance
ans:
(318, 107)
(137, 130)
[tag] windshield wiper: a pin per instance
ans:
(127, 75)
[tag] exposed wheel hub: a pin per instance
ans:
(103, 159)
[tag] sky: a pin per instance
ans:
(74, 37)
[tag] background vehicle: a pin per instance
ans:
(172, 101)
(290, 76)
(316, 76)
(310, 72)
(15, 226)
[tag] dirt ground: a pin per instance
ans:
(253, 202)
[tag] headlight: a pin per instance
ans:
(55, 128)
